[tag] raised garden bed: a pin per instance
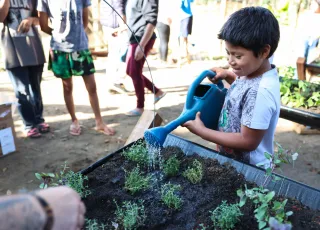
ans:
(222, 177)
(300, 101)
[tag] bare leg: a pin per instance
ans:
(75, 128)
(94, 101)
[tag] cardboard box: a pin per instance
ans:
(7, 131)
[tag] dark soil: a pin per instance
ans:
(219, 183)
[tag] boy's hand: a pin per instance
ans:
(195, 125)
(25, 25)
(222, 74)
(139, 53)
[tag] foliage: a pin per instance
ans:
(138, 153)
(92, 224)
(262, 198)
(297, 93)
(169, 196)
(226, 216)
(195, 173)
(286, 71)
(131, 215)
(76, 181)
(135, 181)
(279, 157)
(171, 166)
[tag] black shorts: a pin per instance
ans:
(186, 27)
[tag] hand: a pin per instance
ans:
(68, 209)
(139, 53)
(169, 20)
(25, 25)
(194, 126)
(220, 75)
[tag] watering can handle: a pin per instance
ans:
(194, 85)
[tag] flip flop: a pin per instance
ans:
(110, 133)
(133, 113)
(75, 130)
(156, 99)
(34, 133)
(44, 127)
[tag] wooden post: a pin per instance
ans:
(301, 68)
(147, 120)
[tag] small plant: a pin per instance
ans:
(137, 153)
(76, 181)
(262, 199)
(135, 181)
(130, 215)
(286, 71)
(195, 173)
(169, 196)
(226, 216)
(92, 224)
(171, 166)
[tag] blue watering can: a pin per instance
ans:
(206, 98)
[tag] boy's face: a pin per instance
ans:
(243, 62)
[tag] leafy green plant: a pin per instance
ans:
(171, 166)
(226, 216)
(92, 224)
(130, 215)
(262, 198)
(286, 71)
(74, 180)
(137, 153)
(135, 181)
(195, 173)
(169, 196)
(279, 157)
(297, 93)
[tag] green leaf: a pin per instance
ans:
(277, 161)
(38, 176)
(270, 195)
(42, 186)
(260, 164)
(267, 155)
(51, 175)
(268, 171)
(262, 224)
(289, 213)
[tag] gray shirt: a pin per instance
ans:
(66, 17)
(21, 49)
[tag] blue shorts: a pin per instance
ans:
(186, 27)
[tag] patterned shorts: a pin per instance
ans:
(65, 65)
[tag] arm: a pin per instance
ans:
(4, 9)
(247, 140)
(227, 75)
(26, 24)
(21, 212)
(85, 17)
(43, 21)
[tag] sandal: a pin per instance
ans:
(156, 99)
(34, 133)
(133, 113)
(44, 127)
(75, 129)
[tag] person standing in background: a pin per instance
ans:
(24, 60)
(142, 19)
(115, 32)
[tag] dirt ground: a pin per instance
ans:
(48, 153)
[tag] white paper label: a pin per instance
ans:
(7, 141)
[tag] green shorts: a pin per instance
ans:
(65, 65)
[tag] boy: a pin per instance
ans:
(252, 105)
(24, 59)
(69, 54)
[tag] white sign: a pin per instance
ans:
(7, 141)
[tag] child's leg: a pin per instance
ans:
(94, 101)
(68, 97)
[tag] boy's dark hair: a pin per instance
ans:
(252, 28)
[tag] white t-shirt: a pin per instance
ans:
(254, 103)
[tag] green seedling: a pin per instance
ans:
(130, 215)
(92, 224)
(226, 216)
(195, 173)
(169, 196)
(171, 166)
(137, 153)
(135, 181)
